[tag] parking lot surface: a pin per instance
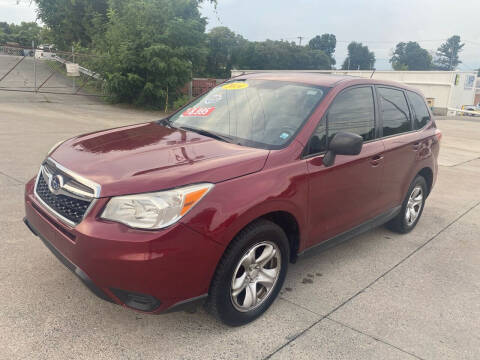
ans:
(377, 296)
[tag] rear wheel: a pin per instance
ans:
(250, 274)
(412, 207)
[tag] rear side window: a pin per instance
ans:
(352, 111)
(395, 113)
(421, 116)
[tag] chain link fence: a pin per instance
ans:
(43, 70)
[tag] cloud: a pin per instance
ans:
(12, 13)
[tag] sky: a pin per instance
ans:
(380, 24)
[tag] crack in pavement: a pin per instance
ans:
(465, 162)
(20, 182)
(368, 286)
(323, 317)
(376, 338)
(300, 306)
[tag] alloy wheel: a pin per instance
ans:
(255, 276)
(414, 205)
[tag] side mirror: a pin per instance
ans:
(343, 143)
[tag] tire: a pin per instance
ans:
(237, 274)
(412, 209)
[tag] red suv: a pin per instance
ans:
(212, 203)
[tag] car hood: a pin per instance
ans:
(152, 157)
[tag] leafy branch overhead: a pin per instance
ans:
(146, 50)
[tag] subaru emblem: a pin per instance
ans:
(56, 183)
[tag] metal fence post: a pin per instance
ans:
(34, 68)
(190, 90)
(73, 60)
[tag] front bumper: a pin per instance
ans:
(149, 271)
(74, 268)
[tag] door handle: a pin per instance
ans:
(375, 160)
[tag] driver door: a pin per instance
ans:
(344, 195)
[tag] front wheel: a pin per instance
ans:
(412, 207)
(250, 274)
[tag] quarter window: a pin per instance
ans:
(395, 113)
(422, 116)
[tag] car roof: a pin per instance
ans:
(317, 79)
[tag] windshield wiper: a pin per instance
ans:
(208, 133)
(165, 122)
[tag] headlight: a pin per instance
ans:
(154, 210)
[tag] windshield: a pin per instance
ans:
(257, 113)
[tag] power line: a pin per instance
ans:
(472, 42)
(386, 41)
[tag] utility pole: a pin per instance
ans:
(300, 40)
(34, 67)
(73, 60)
(451, 58)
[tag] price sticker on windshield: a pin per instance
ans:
(235, 86)
(198, 111)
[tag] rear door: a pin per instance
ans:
(344, 195)
(401, 143)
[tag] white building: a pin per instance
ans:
(477, 93)
(444, 90)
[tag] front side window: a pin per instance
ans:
(395, 113)
(257, 113)
(351, 111)
(422, 116)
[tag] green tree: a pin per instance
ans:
(72, 21)
(149, 48)
(411, 56)
(359, 57)
(224, 48)
(447, 54)
(326, 43)
(282, 55)
(4, 32)
(23, 34)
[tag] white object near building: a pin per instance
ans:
(42, 54)
(72, 69)
(442, 89)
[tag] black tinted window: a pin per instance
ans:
(352, 111)
(318, 142)
(395, 113)
(422, 116)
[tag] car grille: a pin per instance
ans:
(67, 206)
